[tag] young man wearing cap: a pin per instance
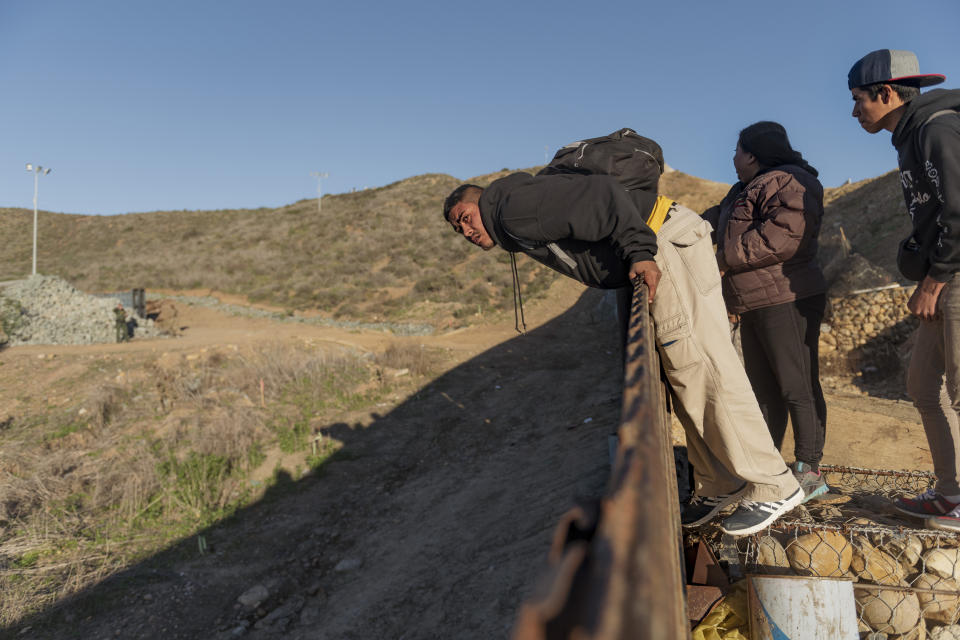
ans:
(885, 86)
(588, 227)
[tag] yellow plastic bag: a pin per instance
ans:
(729, 620)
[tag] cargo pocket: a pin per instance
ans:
(671, 327)
(677, 350)
(696, 251)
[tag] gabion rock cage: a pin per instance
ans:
(906, 577)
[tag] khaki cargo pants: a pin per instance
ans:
(727, 439)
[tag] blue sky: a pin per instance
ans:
(144, 106)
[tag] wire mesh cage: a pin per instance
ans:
(906, 577)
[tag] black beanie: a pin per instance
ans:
(768, 142)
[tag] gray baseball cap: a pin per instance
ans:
(890, 65)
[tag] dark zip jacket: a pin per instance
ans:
(929, 159)
(766, 233)
(595, 227)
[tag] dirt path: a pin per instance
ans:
(436, 521)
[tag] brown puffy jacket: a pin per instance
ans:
(766, 234)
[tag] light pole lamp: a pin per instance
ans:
(319, 176)
(36, 185)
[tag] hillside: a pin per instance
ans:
(377, 254)
(864, 223)
(382, 249)
(381, 253)
(696, 193)
(873, 217)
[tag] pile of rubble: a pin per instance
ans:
(48, 310)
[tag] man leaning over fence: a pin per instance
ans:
(589, 228)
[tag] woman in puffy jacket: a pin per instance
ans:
(766, 233)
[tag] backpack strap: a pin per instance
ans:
(562, 255)
(660, 212)
(935, 114)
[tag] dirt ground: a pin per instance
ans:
(436, 522)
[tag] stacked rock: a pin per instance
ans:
(48, 310)
(859, 318)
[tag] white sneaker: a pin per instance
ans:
(751, 516)
(947, 522)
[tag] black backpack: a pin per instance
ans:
(635, 161)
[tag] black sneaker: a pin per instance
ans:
(812, 483)
(751, 516)
(701, 509)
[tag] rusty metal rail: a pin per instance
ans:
(615, 567)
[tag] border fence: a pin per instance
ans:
(615, 568)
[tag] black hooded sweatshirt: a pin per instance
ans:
(597, 226)
(929, 159)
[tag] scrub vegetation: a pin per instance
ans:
(112, 465)
(381, 252)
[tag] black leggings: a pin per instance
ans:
(780, 354)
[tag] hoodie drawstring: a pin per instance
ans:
(518, 318)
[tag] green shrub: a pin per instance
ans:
(198, 482)
(437, 283)
(11, 315)
(27, 560)
(65, 430)
(255, 455)
(293, 437)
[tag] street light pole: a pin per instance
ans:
(319, 176)
(36, 188)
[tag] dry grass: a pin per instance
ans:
(139, 461)
(415, 358)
